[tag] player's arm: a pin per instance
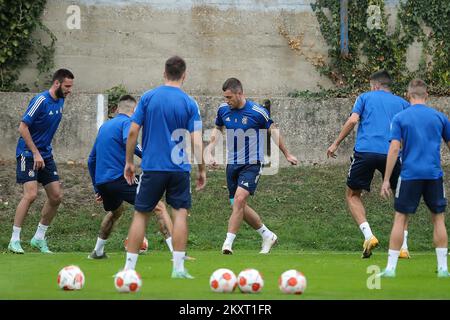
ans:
(129, 171)
(392, 157)
(279, 141)
(26, 135)
(197, 143)
(92, 164)
(346, 129)
(215, 134)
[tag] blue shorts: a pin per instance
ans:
(363, 166)
(153, 184)
(245, 176)
(409, 192)
(115, 192)
(25, 172)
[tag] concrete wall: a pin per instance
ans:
(309, 127)
(127, 42)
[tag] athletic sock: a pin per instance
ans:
(365, 229)
(392, 259)
(264, 232)
(99, 246)
(178, 260)
(131, 261)
(40, 232)
(169, 243)
(405, 240)
(16, 234)
(441, 254)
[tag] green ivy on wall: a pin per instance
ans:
(371, 49)
(19, 19)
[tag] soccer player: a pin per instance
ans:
(244, 120)
(418, 131)
(171, 120)
(35, 159)
(374, 111)
(106, 163)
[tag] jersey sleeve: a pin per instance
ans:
(446, 129)
(34, 108)
(219, 120)
(396, 130)
(139, 114)
(358, 107)
(263, 114)
(92, 161)
(195, 120)
(125, 131)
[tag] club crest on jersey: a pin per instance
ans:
(31, 173)
(244, 120)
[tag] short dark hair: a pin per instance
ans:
(175, 68)
(232, 84)
(417, 89)
(382, 77)
(127, 97)
(62, 74)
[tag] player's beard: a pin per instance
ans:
(60, 93)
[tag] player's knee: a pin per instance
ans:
(160, 207)
(30, 196)
(240, 200)
(56, 198)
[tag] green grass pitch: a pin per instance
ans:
(330, 275)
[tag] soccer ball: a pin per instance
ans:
(71, 278)
(250, 281)
(128, 281)
(223, 280)
(292, 281)
(142, 249)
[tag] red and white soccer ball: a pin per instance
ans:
(128, 281)
(292, 281)
(142, 249)
(250, 281)
(71, 278)
(223, 280)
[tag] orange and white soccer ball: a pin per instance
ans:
(292, 281)
(127, 281)
(71, 278)
(223, 280)
(142, 249)
(250, 281)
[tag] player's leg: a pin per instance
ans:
(165, 223)
(29, 195)
(359, 178)
(149, 191)
(232, 175)
(395, 243)
(106, 228)
(434, 197)
(178, 196)
(49, 178)
(136, 235)
(407, 198)
(395, 176)
(235, 220)
(26, 176)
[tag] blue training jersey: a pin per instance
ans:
(107, 158)
(167, 115)
(42, 117)
(245, 139)
(421, 130)
(376, 110)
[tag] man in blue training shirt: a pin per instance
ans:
(245, 122)
(170, 119)
(374, 110)
(418, 131)
(106, 163)
(35, 159)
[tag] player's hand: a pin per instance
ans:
(98, 198)
(386, 191)
(201, 180)
(292, 160)
(129, 173)
(210, 160)
(331, 151)
(38, 161)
